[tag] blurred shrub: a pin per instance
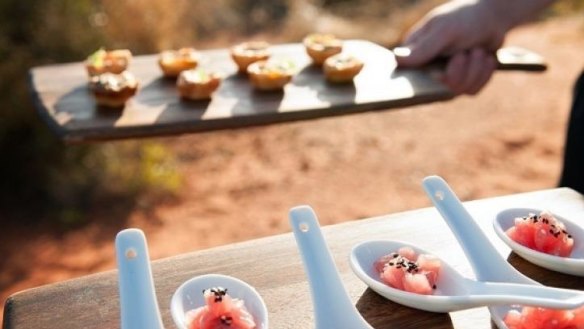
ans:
(567, 7)
(38, 174)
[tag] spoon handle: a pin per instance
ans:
(332, 306)
(139, 308)
(491, 293)
(486, 261)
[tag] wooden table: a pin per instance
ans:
(68, 108)
(274, 267)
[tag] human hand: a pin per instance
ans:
(467, 31)
(467, 72)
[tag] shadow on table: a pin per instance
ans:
(79, 104)
(250, 101)
(236, 103)
(176, 111)
(385, 314)
(545, 276)
(333, 93)
(159, 91)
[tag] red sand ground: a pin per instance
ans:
(240, 184)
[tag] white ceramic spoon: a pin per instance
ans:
(139, 308)
(573, 264)
(332, 306)
(189, 296)
(486, 261)
(453, 291)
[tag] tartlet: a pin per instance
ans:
(270, 75)
(197, 84)
(113, 90)
(342, 68)
(173, 62)
(322, 46)
(247, 53)
(112, 61)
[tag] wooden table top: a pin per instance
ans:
(274, 267)
(68, 108)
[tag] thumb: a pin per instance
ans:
(420, 50)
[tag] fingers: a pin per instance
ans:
(469, 72)
(422, 50)
(490, 65)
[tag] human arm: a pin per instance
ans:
(469, 32)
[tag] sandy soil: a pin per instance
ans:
(240, 184)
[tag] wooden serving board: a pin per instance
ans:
(64, 102)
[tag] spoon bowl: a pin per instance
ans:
(189, 296)
(573, 264)
(453, 291)
(487, 263)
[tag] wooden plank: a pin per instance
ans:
(64, 103)
(157, 110)
(274, 267)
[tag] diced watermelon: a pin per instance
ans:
(220, 312)
(525, 232)
(543, 233)
(514, 320)
(417, 283)
(542, 318)
(430, 265)
(381, 262)
(394, 277)
(408, 253)
(579, 317)
(407, 271)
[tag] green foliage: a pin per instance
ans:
(151, 166)
(40, 177)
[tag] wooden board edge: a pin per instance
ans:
(173, 130)
(42, 110)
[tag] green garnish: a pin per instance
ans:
(285, 65)
(96, 59)
(202, 75)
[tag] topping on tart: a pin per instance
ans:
(271, 75)
(113, 90)
(249, 52)
(322, 46)
(113, 61)
(172, 62)
(342, 68)
(197, 84)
